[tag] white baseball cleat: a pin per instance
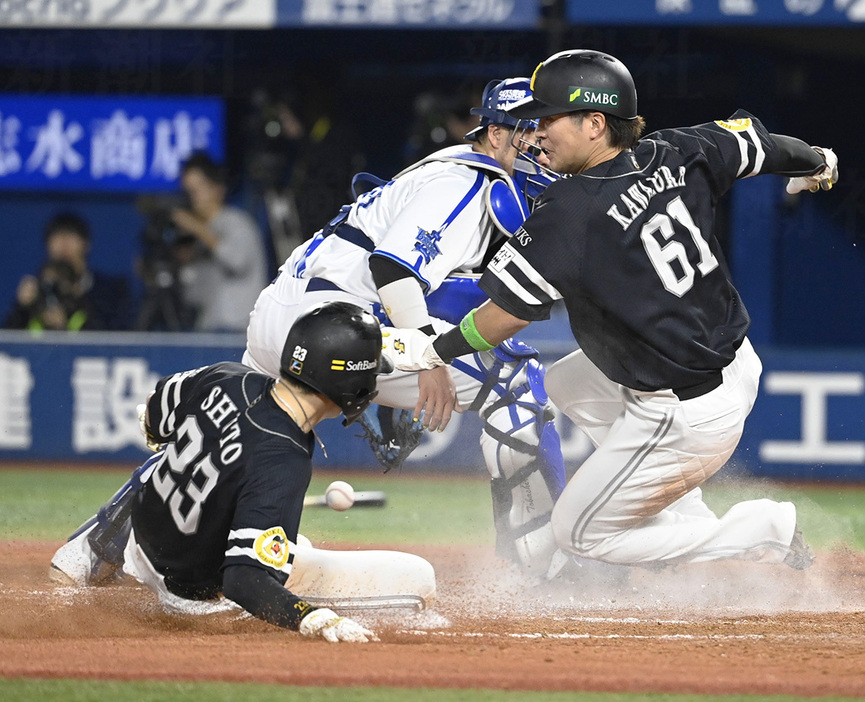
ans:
(71, 564)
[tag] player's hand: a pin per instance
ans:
(437, 398)
(822, 180)
(152, 443)
(332, 627)
(409, 349)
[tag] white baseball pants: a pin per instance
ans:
(275, 312)
(637, 498)
(285, 299)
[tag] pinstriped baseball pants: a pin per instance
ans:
(637, 498)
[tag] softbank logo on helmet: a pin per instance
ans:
(589, 96)
(364, 365)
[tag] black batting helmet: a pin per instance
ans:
(579, 79)
(335, 349)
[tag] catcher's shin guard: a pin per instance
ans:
(108, 538)
(522, 451)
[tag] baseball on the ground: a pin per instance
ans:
(339, 495)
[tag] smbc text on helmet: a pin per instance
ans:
(578, 80)
(335, 349)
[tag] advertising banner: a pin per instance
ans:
(420, 14)
(265, 14)
(83, 14)
(117, 144)
(73, 397)
(694, 12)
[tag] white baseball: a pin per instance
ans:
(339, 495)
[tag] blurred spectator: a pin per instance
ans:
(441, 120)
(227, 265)
(67, 294)
(302, 153)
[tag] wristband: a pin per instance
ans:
(472, 335)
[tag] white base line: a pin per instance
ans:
(654, 637)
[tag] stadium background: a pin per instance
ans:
(393, 71)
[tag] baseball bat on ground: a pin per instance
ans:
(369, 498)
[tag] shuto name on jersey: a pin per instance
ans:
(219, 408)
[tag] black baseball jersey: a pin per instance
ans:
(630, 246)
(229, 487)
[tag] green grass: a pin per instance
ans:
(19, 690)
(48, 504)
(44, 503)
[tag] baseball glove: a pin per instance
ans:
(391, 433)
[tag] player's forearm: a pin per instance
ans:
(480, 330)
(793, 157)
(263, 597)
(401, 295)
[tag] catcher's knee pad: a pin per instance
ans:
(522, 451)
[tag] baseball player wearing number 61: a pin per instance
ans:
(665, 375)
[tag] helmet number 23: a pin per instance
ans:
(670, 261)
(184, 502)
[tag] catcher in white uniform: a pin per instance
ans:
(399, 243)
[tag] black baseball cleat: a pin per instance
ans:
(801, 556)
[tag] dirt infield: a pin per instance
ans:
(725, 628)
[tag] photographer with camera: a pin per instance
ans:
(67, 295)
(228, 265)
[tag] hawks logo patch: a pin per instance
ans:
(734, 125)
(271, 547)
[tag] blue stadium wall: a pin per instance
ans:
(799, 262)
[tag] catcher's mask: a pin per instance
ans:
(579, 79)
(335, 349)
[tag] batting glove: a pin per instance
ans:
(391, 433)
(822, 180)
(332, 627)
(409, 349)
(152, 443)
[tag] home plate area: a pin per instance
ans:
(725, 628)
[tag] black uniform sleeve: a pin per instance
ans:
(260, 594)
(793, 157)
(523, 276)
(737, 147)
(166, 403)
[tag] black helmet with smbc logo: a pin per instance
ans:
(335, 349)
(579, 79)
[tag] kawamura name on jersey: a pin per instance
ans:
(636, 200)
(646, 215)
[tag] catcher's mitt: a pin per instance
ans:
(391, 433)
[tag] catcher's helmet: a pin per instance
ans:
(579, 79)
(335, 349)
(497, 96)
